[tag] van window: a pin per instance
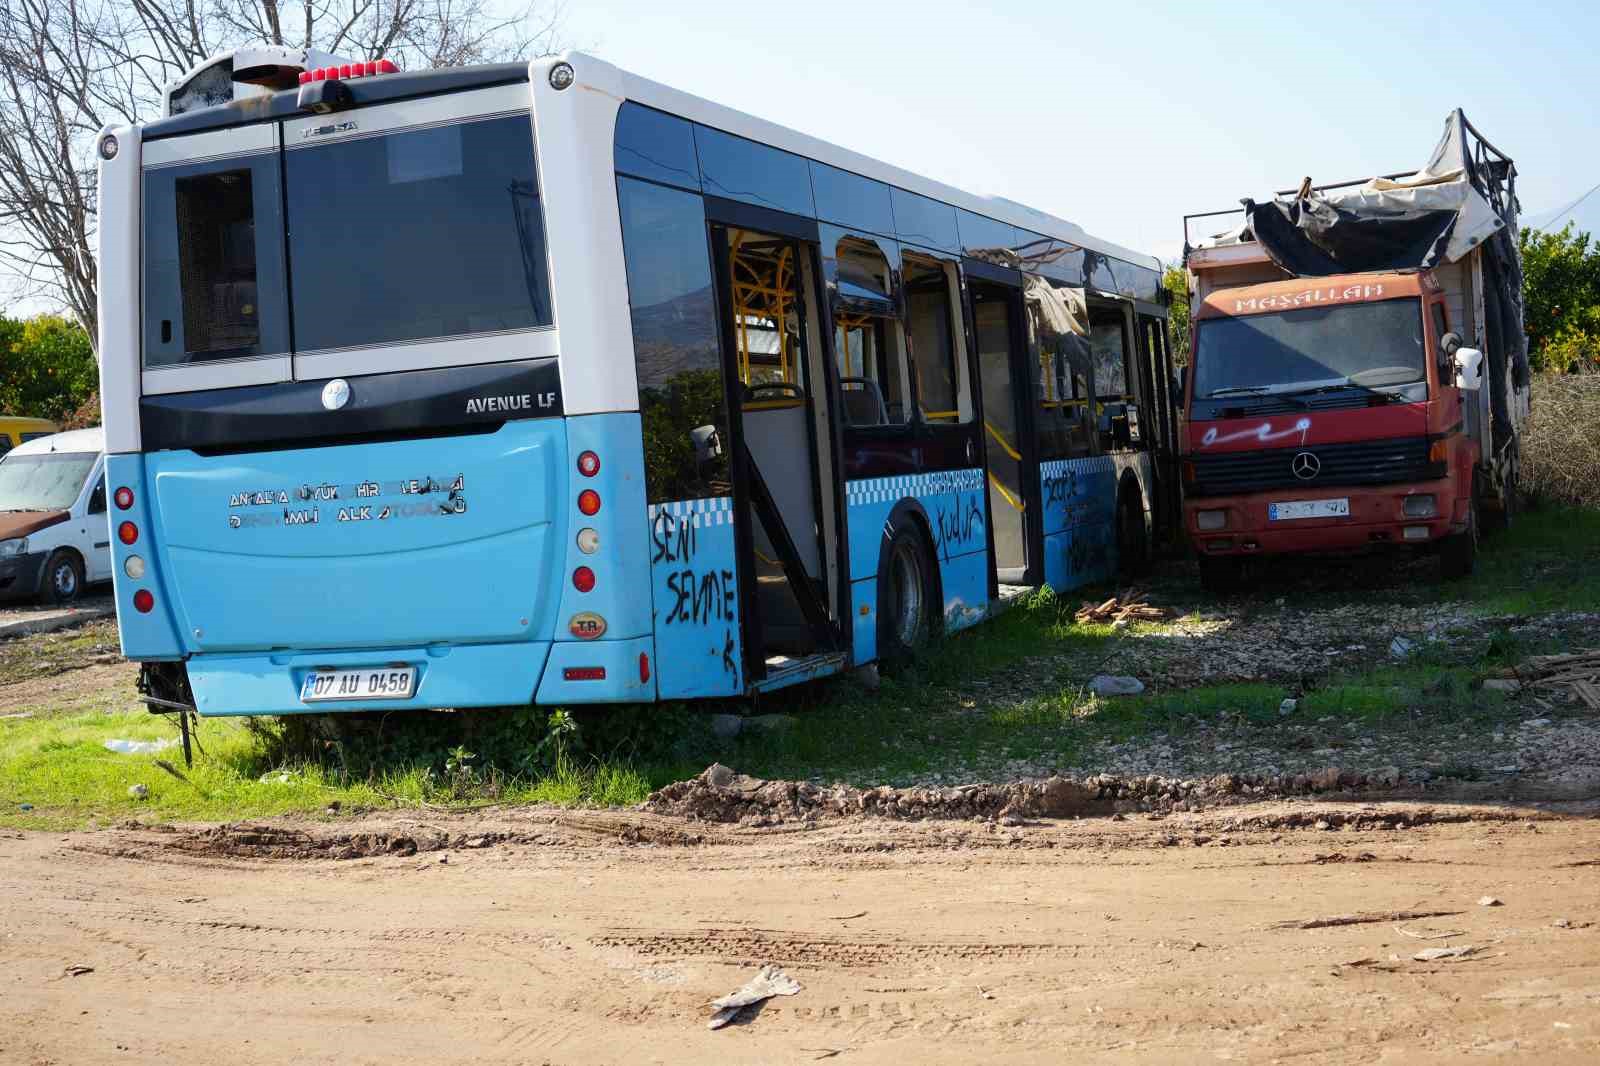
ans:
(49, 482)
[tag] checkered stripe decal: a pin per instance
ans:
(893, 489)
(713, 511)
(1089, 464)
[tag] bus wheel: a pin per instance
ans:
(905, 594)
(63, 578)
(1221, 575)
(1458, 553)
(1133, 545)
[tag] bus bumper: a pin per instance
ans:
(1378, 519)
(468, 675)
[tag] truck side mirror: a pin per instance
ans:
(1469, 368)
(1449, 344)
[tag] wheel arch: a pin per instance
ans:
(909, 511)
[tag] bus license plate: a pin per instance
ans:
(1281, 512)
(387, 683)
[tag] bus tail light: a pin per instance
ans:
(583, 673)
(588, 464)
(143, 601)
(644, 667)
(124, 498)
(589, 502)
(583, 579)
(588, 540)
(133, 566)
(349, 70)
(127, 532)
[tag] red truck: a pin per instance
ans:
(1358, 374)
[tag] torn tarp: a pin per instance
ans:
(1463, 199)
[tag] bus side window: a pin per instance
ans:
(1115, 410)
(873, 378)
(675, 339)
(931, 329)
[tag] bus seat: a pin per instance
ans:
(862, 402)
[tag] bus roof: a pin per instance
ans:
(596, 73)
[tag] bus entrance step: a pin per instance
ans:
(782, 671)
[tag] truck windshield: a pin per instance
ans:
(1377, 344)
(43, 482)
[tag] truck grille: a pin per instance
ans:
(1377, 462)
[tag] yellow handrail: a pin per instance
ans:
(1000, 440)
(1001, 489)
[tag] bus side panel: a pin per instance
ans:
(695, 586)
(1080, 497)
(953, 503)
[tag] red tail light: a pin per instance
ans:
(588, 464)
(143, 601)
(584, 673)
(589, 501)
(349, 70)
(127, 532)
(124, 497)
(644, 667)
(583, 579)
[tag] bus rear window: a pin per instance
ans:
(217, 261)
(418, 234)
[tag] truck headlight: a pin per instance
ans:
(1421, 506)
(1211, 520)
(8, 548)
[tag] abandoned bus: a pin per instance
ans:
(543, 382)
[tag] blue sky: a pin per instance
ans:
(1123, 116)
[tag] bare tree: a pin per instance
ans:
(69, 68)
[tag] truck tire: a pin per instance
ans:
(1221, 575)
(62, 579)
(906, 606)
(1458, 553)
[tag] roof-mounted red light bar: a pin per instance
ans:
(349, 70)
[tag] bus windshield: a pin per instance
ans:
(42, 482)
(1375, 344)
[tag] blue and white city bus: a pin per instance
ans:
(544, 382)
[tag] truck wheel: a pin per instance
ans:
(1221, 575)
(905, 594)
(63, 578)
(1458, 553)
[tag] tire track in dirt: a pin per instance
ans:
(798, 949)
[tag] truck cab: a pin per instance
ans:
(1326, 415)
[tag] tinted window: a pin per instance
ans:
(923, 221)
(416, 235)
(981, 237)
(5, 444)
(26, 437)
(657, 146)
(1054, 259)
(43, 482)
(851, 200)
(675, 343)
(737, 169)
(210, 291)
(932, 340)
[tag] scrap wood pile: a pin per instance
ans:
(1575, 674)
(1129, 607)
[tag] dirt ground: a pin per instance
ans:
(546, 936)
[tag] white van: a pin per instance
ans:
(55, 536)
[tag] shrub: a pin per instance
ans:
(1561, 440)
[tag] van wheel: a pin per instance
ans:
(1458, 553)
(63, 578)
(905, 594)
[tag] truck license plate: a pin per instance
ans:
(381, 683)
(1289, 509)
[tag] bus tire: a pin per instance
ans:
(1458, 553)
(62, 580)
(1133, 542)
(1221, 575)
(906, 607)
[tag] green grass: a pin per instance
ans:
(1008, 690)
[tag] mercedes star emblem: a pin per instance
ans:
(1305, 466)
(335, 394)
